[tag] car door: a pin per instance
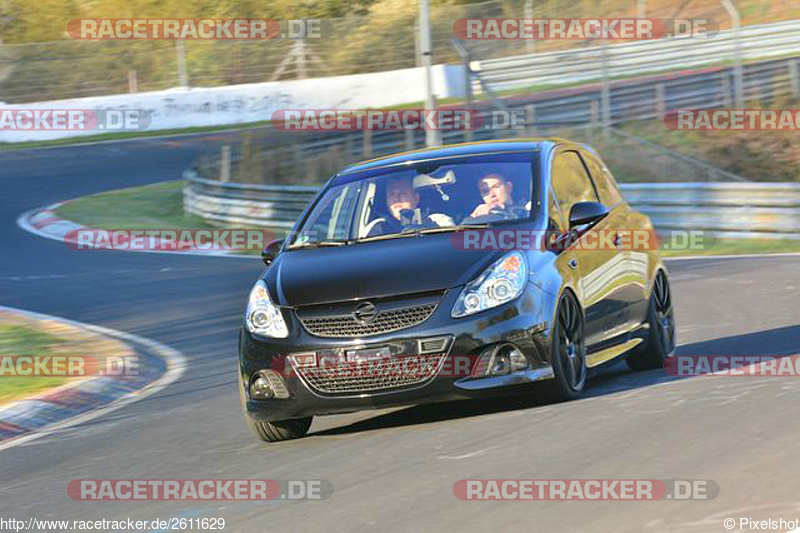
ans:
(598, 265)
(632, 256)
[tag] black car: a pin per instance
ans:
(452, 273)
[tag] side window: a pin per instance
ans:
(604, 180)
(333, 220)
(555, 222)
(571, 182)
(555, 218)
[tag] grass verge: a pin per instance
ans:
(147, 207)
(23, 335)
(157, 206)
(18, 339)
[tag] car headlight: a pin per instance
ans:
(262, 317)
(503, 281)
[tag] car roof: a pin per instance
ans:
(454, 150)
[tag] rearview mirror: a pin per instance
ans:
(425, 180)
(586, 213)
(271, 251)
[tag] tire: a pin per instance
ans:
(660, 343)
(568, 354)
(275, 431)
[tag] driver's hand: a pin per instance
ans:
(481, 210)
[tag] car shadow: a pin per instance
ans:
(611, 379)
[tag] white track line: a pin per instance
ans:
(176, 365)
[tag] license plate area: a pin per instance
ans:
(360, 355)
(371, 353)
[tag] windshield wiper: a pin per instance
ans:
(423, 231)
(445, 229)
(387, 237)
(317, 244)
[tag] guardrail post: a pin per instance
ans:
(409, 139)
(225, 164)
(301, 59)
(133, 81)
(467, 73)
(367, 145)
(299, 164)
(432, 137)
(530, 44)
(794, 77)
(594, 115)
(182, 78)
(605, 91)
(530, 119)
(661, 101)
(726, 90)
(738, 73)
(417, 46)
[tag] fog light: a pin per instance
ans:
(261, 388)
(266, 384)
(506, 359)
(501, 365)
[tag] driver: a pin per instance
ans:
(496, 193)
(403, 202)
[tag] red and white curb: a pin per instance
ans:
(45, 222)
(75, 403)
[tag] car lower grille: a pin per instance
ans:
(379, 375)
(384, 322)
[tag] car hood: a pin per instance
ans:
(373, 270)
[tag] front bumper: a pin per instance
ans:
(524, 322)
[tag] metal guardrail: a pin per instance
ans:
(651, 98)
(647, 98)
(728, 209)
(637, 58)
(768, 210)
(272, 206)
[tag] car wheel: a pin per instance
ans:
(660, 344)
(275, 431)
(569, 351)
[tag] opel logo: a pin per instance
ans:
(365, 313)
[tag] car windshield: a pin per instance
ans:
(424, 197)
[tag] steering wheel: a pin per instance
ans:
(414, 226)
(369, 227)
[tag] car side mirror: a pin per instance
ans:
(586, 213)
(271, 251)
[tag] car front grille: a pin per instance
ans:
(380, 375)
(346, 325)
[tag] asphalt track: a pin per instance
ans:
(391, 470)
